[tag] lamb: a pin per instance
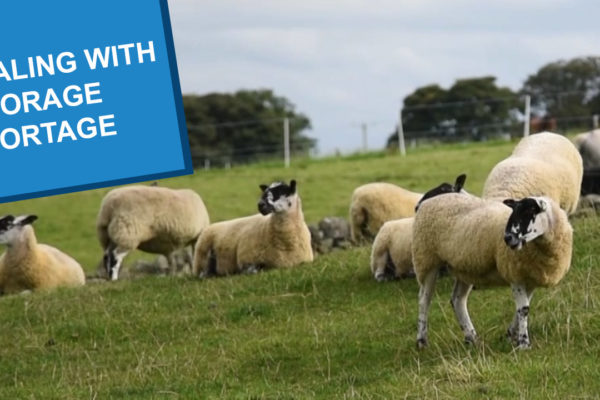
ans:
(277, 237)
(153, 219)
(524, 244)
(375, 203)
(544, 164)
(29, 265)
(391, 256)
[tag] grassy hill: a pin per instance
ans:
(323, 330)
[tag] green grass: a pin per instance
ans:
(323, 330)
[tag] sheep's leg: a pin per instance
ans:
(511, 333)
(518, 329)
(113, 258)
(425, 294)
(459, 303)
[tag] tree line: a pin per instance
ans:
(564, 95)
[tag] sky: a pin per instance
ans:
(344, 63)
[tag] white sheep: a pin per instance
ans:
(29, 265)
(544, 164)
(391, 255)
(588, 145)
(524, 244)
(375, 203)
(277, 237)
(153, 219)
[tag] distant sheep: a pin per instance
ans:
(153, 219)
(375, 203)
(544, 164)
(277, 237)
(391, 256)
(29, 265)
(524, 244)
(588, 145)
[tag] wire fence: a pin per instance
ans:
(451, 129)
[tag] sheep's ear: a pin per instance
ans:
(460, 182)
(543, 205)
(263, 187)
(293, 185)
(510, 202)
(26, 220)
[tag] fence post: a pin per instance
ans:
(363, 128)
(401, 145)
(527, 115)
(286, 142)
(595, 120)
(206, 164)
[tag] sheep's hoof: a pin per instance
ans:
(383, 277)
(421, 343)
(523, 343)
(471, 340)
(250, 269)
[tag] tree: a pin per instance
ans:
(566, 90)
(242, 127)
(474, 108)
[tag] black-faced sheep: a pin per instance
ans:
(375, 203)
(544, 164)
(277, 237)
(29, 265)
(524, 244)
(153, 219)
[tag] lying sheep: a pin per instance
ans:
(544, 164)
(29, 265)
(375, 203)
(391, 256)
(524, 244)
(277, 237)
(153, 219)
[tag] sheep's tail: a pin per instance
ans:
(359, 231)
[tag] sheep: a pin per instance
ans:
(523, 243)
(391, 256)
(544, 164)
(153, 219)
(588, 145)
(28, 265)
(375, 203)
(277, 237)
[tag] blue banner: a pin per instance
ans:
(89, 96)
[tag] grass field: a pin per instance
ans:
(322, 330)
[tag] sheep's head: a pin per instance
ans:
(10, 227)
(277, 197)
(444, 188)
(530, 218)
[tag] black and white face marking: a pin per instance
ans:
(10, 227)
(444, 188)
(276, 197)
(529, 220)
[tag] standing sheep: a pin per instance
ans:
(544, 164)
(524, 244)
(588, 145)
(29, 265)
(391, 256)
(277, 237)
(153, 219)
(375, 203)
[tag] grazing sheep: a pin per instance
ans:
(590, 183)
(375, 203)
(153, 219)
(544, 164)
(29, 265)
(277, 237)
(524, 244)
(391, 256)
(588, 145)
